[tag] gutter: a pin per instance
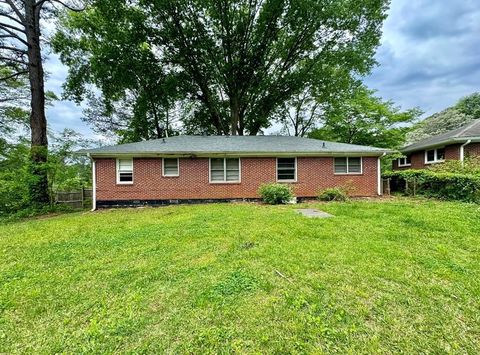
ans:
(462, 150)
(94, 184)
(407, 149)
(379, 174)
(238, 154)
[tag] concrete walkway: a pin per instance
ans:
(313, 213)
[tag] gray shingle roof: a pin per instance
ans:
(459, 135)
(241, 145)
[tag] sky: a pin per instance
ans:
(429, 58)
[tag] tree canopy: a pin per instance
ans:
(366, 119)
(233, 62)
(463, 112)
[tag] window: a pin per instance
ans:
(224, 170)
(435, 155)
(170, 166)
(348, 165)
(405, 161)
(286, 169)
(124, 171)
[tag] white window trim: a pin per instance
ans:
(400, 165)
(118, 172)
(347, 173)
(170, 175)
(224, 172)
(435, 160)
(296, 169)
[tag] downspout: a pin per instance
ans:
(462, 150)
(379, 174)
(94, 185)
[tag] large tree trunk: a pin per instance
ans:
(38, 122)
(234, 115)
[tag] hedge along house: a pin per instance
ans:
(218, 168)
(452, 145)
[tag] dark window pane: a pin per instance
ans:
(233, 175)
(340, 165)
(217, 175)
(170, 166)
(354, 165)
(232, 164)
(441, 154)
(408, 159)
(286, 169)
(430, 155)
(286, 163)
(125, 177)
(216, 164)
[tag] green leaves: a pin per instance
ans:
(367, 120)
(235, 62)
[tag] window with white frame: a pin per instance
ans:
(224, 170)
(124, 171)
(286, 169)
(405, 161)
(170, 166)
(435, 155)
(348, 165)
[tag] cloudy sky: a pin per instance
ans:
(429, 57)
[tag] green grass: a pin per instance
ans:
(391, 276)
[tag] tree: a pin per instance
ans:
(366, 120)
(239, 60)
(299, 115)
(470, 105)
(463, 112)
(110, 49)
(14, 97)
(20, 50)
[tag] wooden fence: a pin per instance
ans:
(75, 199)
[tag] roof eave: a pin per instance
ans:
(441, 143)
(235, 154)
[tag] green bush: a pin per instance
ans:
(333, 194)
(442, 185)
(274, 194)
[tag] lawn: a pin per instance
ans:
(382, 276)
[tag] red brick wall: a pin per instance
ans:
(473, 149)
(313, 174)
(452, 152)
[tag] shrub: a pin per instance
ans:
(333, 194)
(274, 194)
(470, 166)
(442, 185)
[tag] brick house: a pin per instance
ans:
(452, 145)
(217, 168)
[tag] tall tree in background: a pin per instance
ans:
(463, 112)
(109, 48)
(366, 119)
(20, 50)
(239, 60)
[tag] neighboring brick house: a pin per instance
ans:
(452, 145)
(205, 168)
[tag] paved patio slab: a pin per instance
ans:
(313, 213)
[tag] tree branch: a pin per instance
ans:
(13, 60)
(12, 18)
(5, 78)
(41, 2)
(5, 26)
(13, 34)
(14, 49)
(17, 11)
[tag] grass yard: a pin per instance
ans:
(390, 276)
